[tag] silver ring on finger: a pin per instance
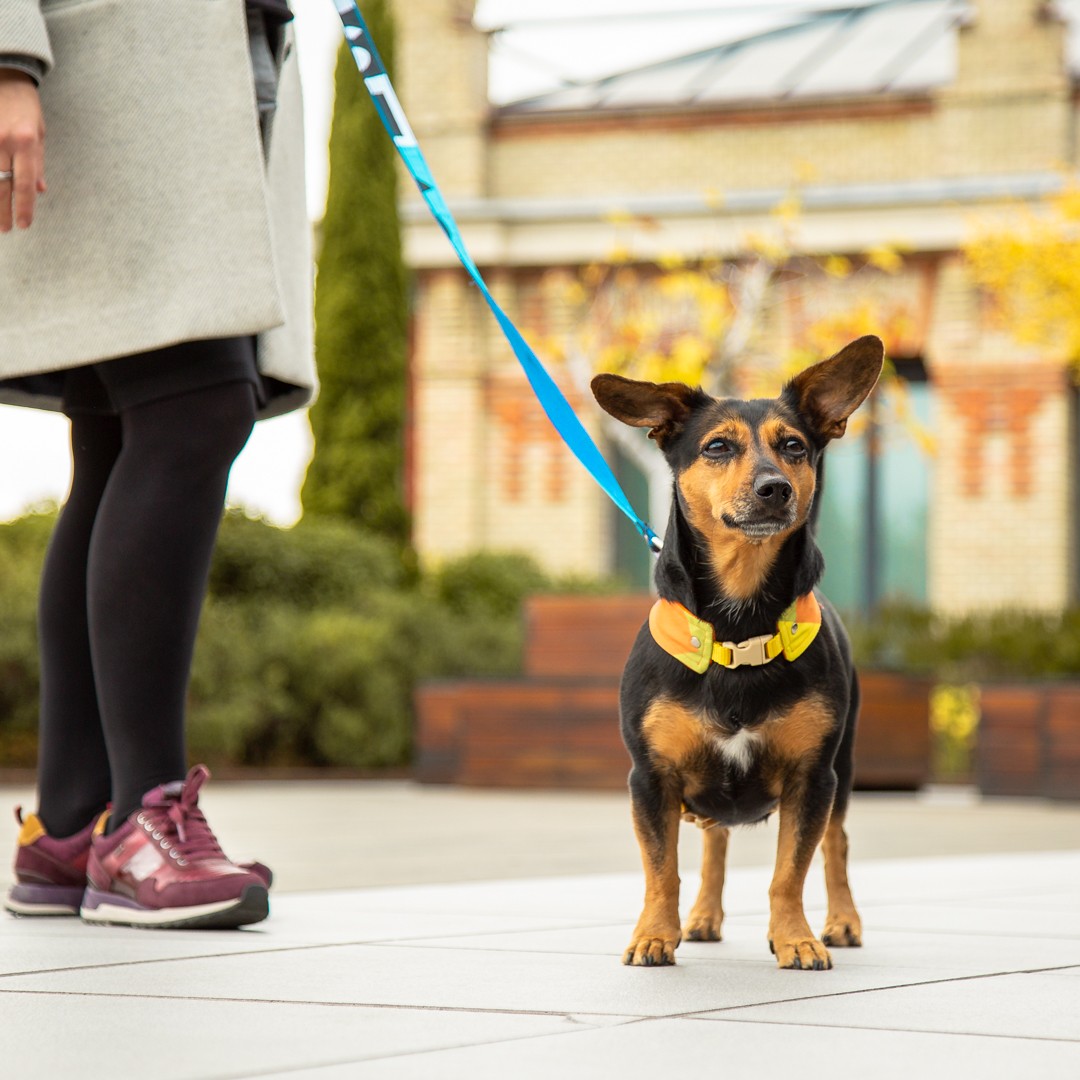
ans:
(6, 174)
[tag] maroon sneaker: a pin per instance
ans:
(50, 874)
(164, 868)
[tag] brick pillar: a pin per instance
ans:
(1002, 531)
(443, 86)
(448, 362)
(1009, 107)
(490, 470)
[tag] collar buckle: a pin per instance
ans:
(752, 652)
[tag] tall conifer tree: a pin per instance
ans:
(360, 314)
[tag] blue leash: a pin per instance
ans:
(548, 393)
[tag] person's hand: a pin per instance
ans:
(22, 149)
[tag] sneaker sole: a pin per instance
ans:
(107, 909)
(43, 900)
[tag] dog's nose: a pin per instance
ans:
(772, 489)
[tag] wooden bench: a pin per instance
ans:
(558, 726)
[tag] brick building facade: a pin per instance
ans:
(534, 187)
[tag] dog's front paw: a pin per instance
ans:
(652, 947)
(703, 925)
(807, 954)
(842, 929)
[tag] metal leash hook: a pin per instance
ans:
(551, 398)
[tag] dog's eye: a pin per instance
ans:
(794, 448)
(717, 448)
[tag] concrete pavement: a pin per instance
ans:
(423, 932)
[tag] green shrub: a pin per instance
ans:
(898, 638)
(273, 684)
(361, 313)
(498, 582)
(22, 552)
(320, 563)
(976, 648)
(492, 584)
(311, 687)
(310, 646)
(238, 678)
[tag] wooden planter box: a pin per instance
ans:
(1029, 739)
(558, 726)
(520, 734)
(892, 741)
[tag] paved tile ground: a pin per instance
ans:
(971, 966)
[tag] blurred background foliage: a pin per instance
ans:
(361, 314)
(954, 723)
(311, 642)
(1029, 271)
(314, 638)
(989, 647)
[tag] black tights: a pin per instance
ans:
(123, 585)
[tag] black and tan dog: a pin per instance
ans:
(739, 696)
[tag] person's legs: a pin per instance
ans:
(149, 560)
(74, 782)
(70, 724)
(122, 591)
(160, 864)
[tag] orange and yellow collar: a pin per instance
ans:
(692, 641)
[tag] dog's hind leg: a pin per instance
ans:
(842, 923)
(656, 823)
(707, 914)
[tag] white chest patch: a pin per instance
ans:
(738, 749)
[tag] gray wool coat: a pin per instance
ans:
(163, 221)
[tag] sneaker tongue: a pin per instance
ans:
(161, 794)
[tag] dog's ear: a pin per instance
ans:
(663, 407)
(830, 391)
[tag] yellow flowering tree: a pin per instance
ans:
(662, 323)
(1029, 270)
(713, 322)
